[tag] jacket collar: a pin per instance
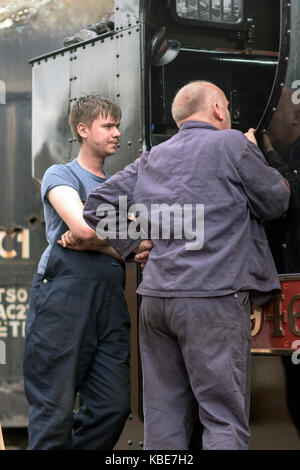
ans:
(198, 124)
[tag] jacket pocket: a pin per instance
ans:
(260, 259)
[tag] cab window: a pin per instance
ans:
(220, 11)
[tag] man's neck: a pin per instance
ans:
(91, 163)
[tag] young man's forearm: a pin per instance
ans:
(98, 245)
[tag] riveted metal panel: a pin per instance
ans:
(109, 65)
(50, 132)
(116, 65)
(127, 13)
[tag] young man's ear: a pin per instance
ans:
(82, 130)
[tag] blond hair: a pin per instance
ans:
(88, 108)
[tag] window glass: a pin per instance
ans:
(221, 11)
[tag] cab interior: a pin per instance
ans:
(232, 43)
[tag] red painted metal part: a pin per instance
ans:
(276, 326)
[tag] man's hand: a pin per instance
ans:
(266, 143)
(69, 240)
(250, 136)
(143, 252)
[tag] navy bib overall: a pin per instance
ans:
(77, 340)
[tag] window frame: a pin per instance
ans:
(238, 26)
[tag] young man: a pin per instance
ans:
(77, 331)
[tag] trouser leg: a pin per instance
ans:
(105, 389)
(213, 336)
(170, 409)
(55, 325)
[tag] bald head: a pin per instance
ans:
(201, 101)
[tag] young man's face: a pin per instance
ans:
(103, 136)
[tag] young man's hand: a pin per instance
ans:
(69, 240)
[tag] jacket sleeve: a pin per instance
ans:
(267, 191)
(106, 208)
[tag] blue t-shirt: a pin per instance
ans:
(60, 175)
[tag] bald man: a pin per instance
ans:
(213, 186)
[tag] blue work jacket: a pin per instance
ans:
(226, 177)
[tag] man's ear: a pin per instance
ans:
(218, 112)
(82, 130)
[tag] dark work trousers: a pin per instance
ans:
(77, 340)
(195, 356)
